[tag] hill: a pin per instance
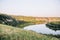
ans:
(13, 33)
(36, 20)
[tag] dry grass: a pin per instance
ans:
(36, 20)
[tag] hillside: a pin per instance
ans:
(12, 33)
(36, 20)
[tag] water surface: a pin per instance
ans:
(41, 28)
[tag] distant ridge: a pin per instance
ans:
(30, 18)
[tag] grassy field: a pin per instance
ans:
(30, 19)
(36, 20)
(13, 33)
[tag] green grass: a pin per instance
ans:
(21, 25)
(13, 33)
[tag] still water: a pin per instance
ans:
(41, 28)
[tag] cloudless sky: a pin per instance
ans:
(43, 8)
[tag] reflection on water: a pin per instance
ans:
(41, 28)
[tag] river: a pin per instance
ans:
(41, 28)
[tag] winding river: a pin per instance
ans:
(41, 28)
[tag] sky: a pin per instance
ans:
(40, 8)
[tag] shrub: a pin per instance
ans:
(8, 20)
(54, 25)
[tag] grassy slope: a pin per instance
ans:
(12, 33)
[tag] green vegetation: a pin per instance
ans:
(8, 20)
(23, 24)
(54, 25)
(13, 33)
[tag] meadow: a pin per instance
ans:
(36, 20)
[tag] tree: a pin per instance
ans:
(54, 25)
(8, 20)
